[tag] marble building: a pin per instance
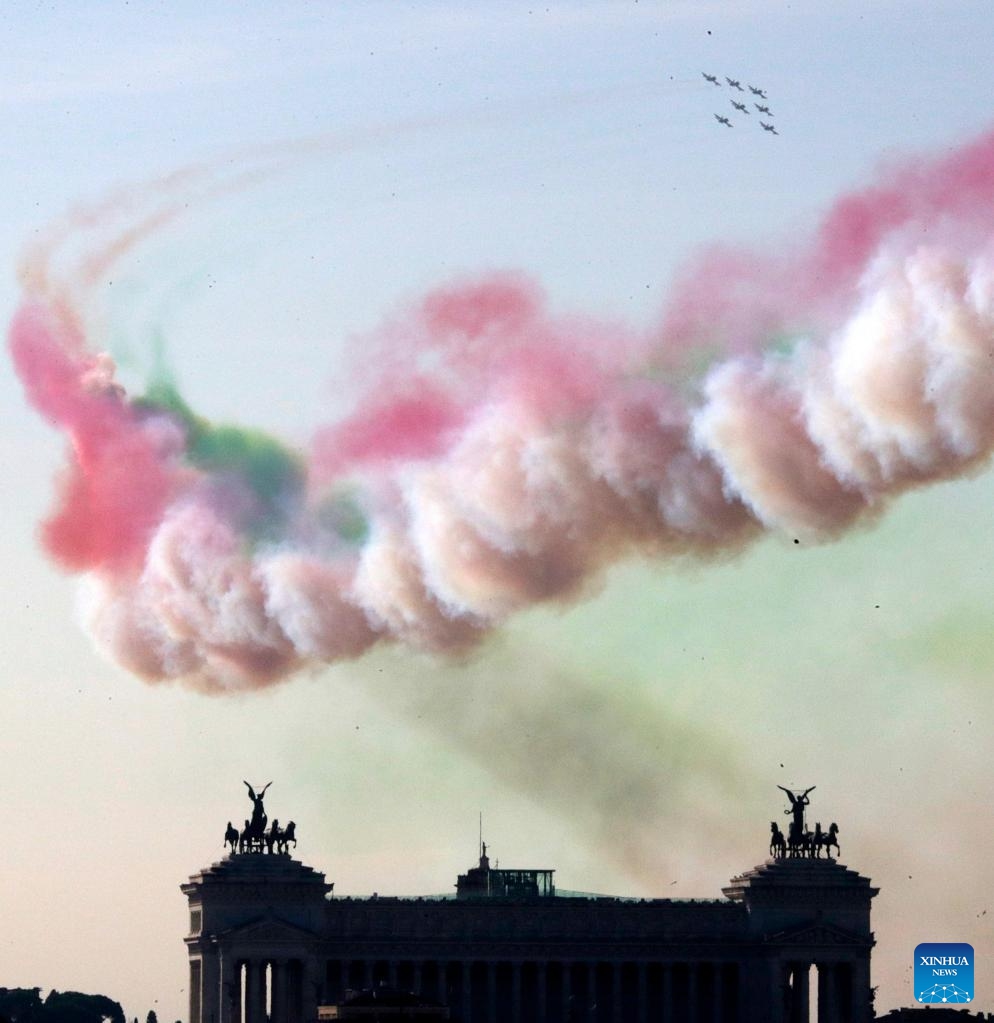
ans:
(789, 942)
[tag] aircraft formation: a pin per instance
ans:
(742, 108)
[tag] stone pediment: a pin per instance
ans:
(818, 934)
(269, 929)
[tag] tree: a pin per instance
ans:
(24, 1005)
(21, 1004)
(76, 1007)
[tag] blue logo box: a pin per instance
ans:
(944, 972)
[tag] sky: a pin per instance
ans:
(325, 168)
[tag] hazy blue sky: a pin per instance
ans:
(632, 741)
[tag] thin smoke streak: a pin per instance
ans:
(183, 191)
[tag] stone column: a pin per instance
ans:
(367, 973)
(858, 995)
(779, 991)
(229, 988)
(238, 993)
(442, 974)
(668, 992)
(417, 977)
(199, 1011)
(196, 986)
(210, 991)
(492, 992)
(467, 993)
(296, 994)
(343, 975)
(616, 992)
(310, 984)
(827, 1010)
(278, 1004)
(845, 1007)
(800, 995)
(717, 990)
(692, 980)
(642, 1006)
(541, 993)
(567, 983)
(515, 992)
(255, 991)
(392, 972)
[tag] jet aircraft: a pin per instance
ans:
(734, 84)
(769, 127)
(711, 78)
(763, 110)
(757, 92)
(740, 106)
(723, 120)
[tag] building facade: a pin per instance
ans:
(270, 943)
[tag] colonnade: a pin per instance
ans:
(228, 986)
(233, 988)
(266, 989)
(554, 991)
(279, 989)
(840, 998)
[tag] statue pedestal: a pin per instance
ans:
(255, 920)
(779, 894)
(809, 915)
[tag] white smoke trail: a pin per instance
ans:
(505, 456)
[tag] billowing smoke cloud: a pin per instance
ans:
(501, 455)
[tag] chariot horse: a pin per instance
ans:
(286, 836)
(253, 837)
(828, 839)
(231, 837)
(778, 844)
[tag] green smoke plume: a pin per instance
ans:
(273, 473)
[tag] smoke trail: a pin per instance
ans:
(501, 455)
(620, 770)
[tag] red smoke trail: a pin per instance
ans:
(118, 483)
(501, 455)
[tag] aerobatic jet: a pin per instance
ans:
(713, 79)
(723, 120)
(769, 127)
(734, 84)
(740, 106)
(763, 110)
(757, 92)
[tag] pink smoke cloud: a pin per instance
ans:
(412, 424)
(120, 478)
(499, 454)
(736, 298)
